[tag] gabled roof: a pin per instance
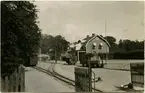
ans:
(85, 41)
(101, 37)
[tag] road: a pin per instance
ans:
(110, 78)
(36, 81)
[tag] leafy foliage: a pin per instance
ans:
(129, 45)
(138, 54)
(20, 34)
(110, 39)
(126, 49)
(52, 44)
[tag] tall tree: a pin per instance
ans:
(110, 39)
(47, 42)
(20, 34)
(129, 45)
(51, 44)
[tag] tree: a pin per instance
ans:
(56, 44)
(110, 39)
(120, 43)
(47, 42)
(129, 45)
(20, 34)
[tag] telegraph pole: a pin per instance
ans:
(40, 48)
(106, 39)
(55, 51)
(90, 79)
(90, 75)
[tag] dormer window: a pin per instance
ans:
(100, 46)
(94, 45)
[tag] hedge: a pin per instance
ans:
(137, 54)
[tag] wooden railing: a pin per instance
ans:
(14, 82)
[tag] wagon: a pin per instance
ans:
(32, 60)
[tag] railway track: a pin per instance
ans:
(53, 73)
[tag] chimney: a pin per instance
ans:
(93, 34)
(87, 36)
(79, 41)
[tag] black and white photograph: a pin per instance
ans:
(72, 46)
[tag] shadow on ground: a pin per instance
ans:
(27, 70)
(127, 89)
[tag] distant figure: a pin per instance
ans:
(100, 56)
(55, 59)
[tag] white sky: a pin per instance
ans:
(75, 19)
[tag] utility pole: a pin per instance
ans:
(90, 75)
(40, 48)
(55, 55)
(55, 50)
(106, 39)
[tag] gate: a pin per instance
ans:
(81, 79)
(137, 74)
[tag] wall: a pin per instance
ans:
(14, 82)
(97, 41)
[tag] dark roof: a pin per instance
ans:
(84, 43)
(101, 37)
(86, 40)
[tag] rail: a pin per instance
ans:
(53, 73)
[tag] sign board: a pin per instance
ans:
(137, 74)
(81, 79)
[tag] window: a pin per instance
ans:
(100, 46)
(94, 46)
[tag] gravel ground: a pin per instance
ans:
(39, 82)
(121, 64)
(44, 65)
(110, 78)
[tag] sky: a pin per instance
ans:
(76, 19)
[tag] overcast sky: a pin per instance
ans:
(75, 20)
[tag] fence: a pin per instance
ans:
(137, 74)
(81, 79)
(14, 82)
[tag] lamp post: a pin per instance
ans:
(89, 55)
(55, 54)
(90, 77)
(94, 79)
(106, 46)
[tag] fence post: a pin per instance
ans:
(81, 79)
(11, 83)
(16, 80)
(6, 84)
(22, 78)
(90, 77)
(2, 84)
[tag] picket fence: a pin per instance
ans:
(14, 82)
